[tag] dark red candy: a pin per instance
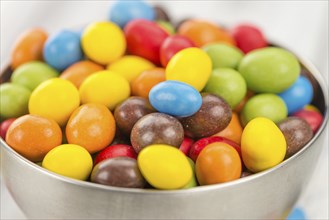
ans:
(248, 38)
(120, 172)
(4, 127)
(199, 145)
(130, 111)
(156, 128)
(214, 116)
(297, 133)
(119, 150)
(312, 117)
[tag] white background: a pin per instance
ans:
(301, 26)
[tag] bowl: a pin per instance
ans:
(270, 194)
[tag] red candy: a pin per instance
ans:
(186, 145)
(198, 146)
(248, 38)
(4, 127)
(171, 46)
(144, 39)
(119, 150)
(314, 118)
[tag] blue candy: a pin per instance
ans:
(124, 11)
(175, 98)
(298, 95)
(62, 49)
(296, 214)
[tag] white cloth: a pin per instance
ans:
(301, 26)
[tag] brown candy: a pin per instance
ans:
(161, 14)
(118, 171)
(130, 111)
(214, 116)
(297, 133)
(156, 128)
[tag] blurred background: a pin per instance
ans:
(301, 26)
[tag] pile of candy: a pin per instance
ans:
(135, 102)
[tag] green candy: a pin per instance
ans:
(14, 100)
(270, 70)
(31, 74)
(167, 26)
(266, 105)
(223, 55)
(193, 182)
(228, 84)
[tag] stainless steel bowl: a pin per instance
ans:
(266, 195)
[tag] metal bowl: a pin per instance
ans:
(266, 195)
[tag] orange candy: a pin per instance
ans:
(142, 85)
(28, 47)
(233, 131)
(34, 136)
(204, 32)
(79, 71)
(240, 106)
(218, 163)
(91, 126)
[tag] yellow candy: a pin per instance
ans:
(262, 145)
(54, 98)
(104, 87)
(103, 42)
(130, 66)
(311, 108)
(192, 66)
(69, 160)
(164, 166)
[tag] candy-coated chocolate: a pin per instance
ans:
(171, 45)
(118, 150)
(312, 117)
(122, 12)
(200, 144)
(14, 100)
(62, 49)
(186, 145)
(91, 126)
(198, 71)
(266, 105)
(69, 160)
(269, 69)
(4, 127)
(218, 163)
(79, 71)
(28, 47)
(233, 131)
(214, 115)
(228, 84)
(193, 182)
(263, 145)
(31, 74)
(160, 13)
(144, 38)
(298, 95)
(175, 98)
(154, 161)
(156, 128)
(55, 98)
(297, 133)
(33, 136)
(248, 37)
(103, 42)
(105, 87)
(130, 111)
(120, 172)
(143, 83)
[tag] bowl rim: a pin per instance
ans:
(199, 189)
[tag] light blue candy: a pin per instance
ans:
(296, 214)
(175, 98)
(298, 95)
(123, 11)
(63, 49)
